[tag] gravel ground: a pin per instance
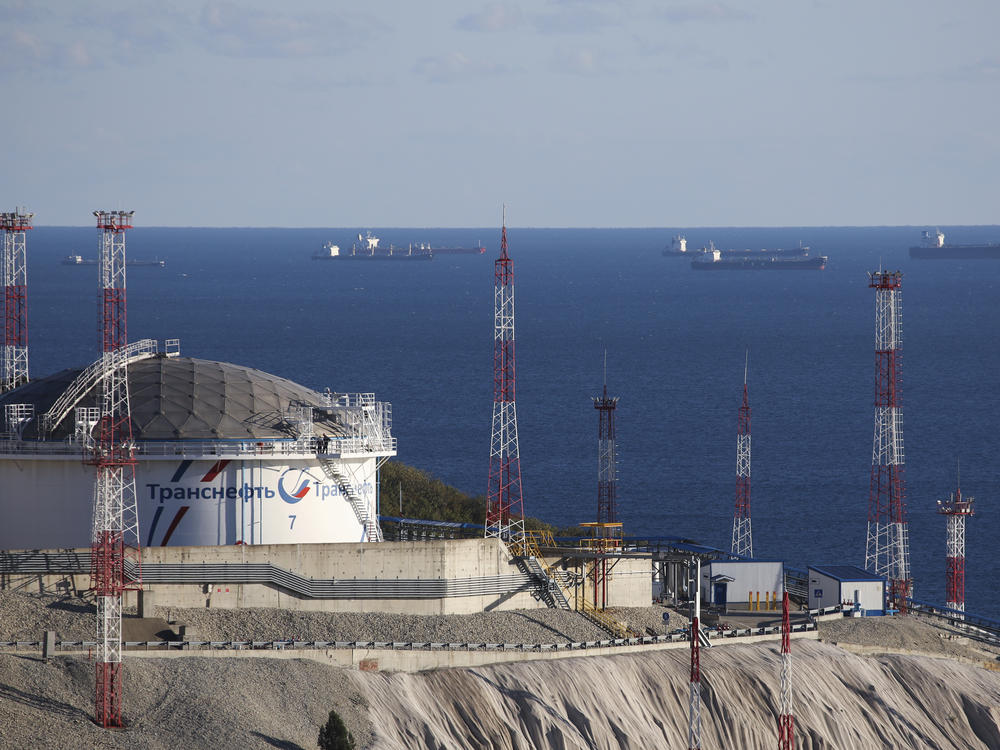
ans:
(191, 702)
(262, 703)
(911, 633)
(26, 616)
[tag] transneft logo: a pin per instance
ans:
(303, 486)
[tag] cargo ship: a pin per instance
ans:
(716, 260)
(79, 260)
(366, 248)
(678, 246)
(932, 247)
(790, 252)
(478, 249)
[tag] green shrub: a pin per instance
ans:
(334, 735)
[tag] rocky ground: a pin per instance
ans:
(842, 699)
(912, 634)
(25, 616)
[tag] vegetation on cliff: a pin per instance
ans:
(409, 492)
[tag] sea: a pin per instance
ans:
(596, 306)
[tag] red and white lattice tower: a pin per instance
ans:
(786, 721)
(607, 464)
(742, 535)
(504, 501)
(956, 509)
(694, 698)
(888, 548)
(15, 285)
(114, 564)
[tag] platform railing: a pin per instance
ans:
(194, 646)
(142, 349)
(334, 447)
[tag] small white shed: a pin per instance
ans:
(733, 583)
(830, 585)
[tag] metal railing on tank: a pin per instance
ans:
(334, 446)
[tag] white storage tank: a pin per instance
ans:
(224, 455)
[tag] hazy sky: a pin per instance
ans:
(576, 113)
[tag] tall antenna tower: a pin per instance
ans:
(115, 543)
(504, 501)
(742, 535)
(15, 284)
(888, 548)
(607, 465)
(786, 721)
(694, 698)
(956, 509)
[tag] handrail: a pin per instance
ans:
(285, 644)
(88, 378)
(279, 447)
(956, 617)
(528, 545)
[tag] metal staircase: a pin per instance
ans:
(552, 592)
(530, 558)
(88, 378)
(373, 532)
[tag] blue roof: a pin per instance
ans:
(846, 573)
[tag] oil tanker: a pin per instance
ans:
(478, 249)
(79, 260)
(678, 246)
(715, 260)
(932, 247)
(366, 248)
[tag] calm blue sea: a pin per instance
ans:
(420, 336)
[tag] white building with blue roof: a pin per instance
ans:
(830, 585)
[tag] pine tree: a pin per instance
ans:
(334, 735)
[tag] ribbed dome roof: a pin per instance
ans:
(182, 398)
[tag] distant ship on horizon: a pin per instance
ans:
(367, 248)
(478, 249)
(678, 246)
(932, 246)
(716, 260)
(79, 260)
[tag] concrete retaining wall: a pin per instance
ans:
(462, 565)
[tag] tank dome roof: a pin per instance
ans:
(183, 398)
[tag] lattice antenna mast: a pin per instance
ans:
(607, 461)
(956, 509)
(15, 283)
(694, 699)
(115, 546)
(742, 535)
(786, 721)
(504, 500)
(888, 545)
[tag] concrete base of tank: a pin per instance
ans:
(454, 576)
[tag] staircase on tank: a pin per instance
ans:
(373, 532)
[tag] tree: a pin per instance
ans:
(334, 735)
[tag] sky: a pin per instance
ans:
(573, 113)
